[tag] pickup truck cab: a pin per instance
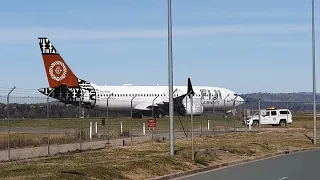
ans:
(271, 116)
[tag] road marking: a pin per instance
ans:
(283, 178)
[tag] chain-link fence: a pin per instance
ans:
(33, 125)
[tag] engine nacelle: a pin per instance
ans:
(197, 108)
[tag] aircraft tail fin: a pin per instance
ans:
(190, 89)
(57, 70)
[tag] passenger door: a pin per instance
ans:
(266, 118)
(274, 117)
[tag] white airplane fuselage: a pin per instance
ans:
(125, 97)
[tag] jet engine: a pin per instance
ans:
(197, 108)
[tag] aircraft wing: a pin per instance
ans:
(177, 101)
(144, 106)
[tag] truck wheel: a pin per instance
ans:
(283, 123)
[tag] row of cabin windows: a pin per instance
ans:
(148, 95)
(132, 95)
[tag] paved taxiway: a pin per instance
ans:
(295, 166)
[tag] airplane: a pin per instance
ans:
(67, 88)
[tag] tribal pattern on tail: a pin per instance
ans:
(85, 93)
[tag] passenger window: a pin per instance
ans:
(268, 113)
(284, 112)
(273, 113)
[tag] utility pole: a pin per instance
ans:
(192, 138)
(170, 71)
(314, 79)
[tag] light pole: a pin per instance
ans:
(260, 114)
(170, 74)
(153, 104)
(314, 79)
(288, 107)
(224, 103)
(80, 121)
(192, 141)
(108, 119)
(49, 120)
(245, 105)
(213, 113)
(8, 116)
(234, 113)
(131, 103)
(153, 114)
(48, 103)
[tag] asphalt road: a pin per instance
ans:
(295, 166)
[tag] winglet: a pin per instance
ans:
(190, 89)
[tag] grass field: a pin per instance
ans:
(75, 123)
(34, 138)
(217, 122)
(144, 161)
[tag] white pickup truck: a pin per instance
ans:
(273, 117)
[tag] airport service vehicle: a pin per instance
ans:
(67, 88)
(271, 116)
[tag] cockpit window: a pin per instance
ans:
(220, 97)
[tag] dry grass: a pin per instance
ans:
(144, 161)
(19, 140)
(23, 140)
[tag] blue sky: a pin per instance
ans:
(246, 46)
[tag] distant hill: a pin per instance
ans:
(293, 97)
(301, 101)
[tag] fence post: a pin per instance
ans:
(90, 131)
(96, 127)
(48, 108)
(245, 106)
(208, 125)
(144, 129)
(8, 116)
(213, 113)
(121, 130)
(152, 134)
(131, 134)
(108, 138)
(80, 121)
(200, 127)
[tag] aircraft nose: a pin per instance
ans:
(239, 100)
